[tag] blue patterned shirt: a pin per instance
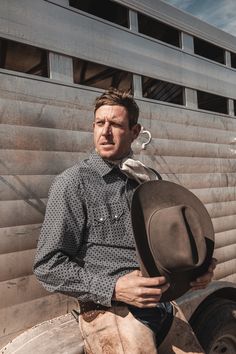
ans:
(86, 242)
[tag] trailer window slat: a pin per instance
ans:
(23, 58)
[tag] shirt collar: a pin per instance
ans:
(102, 166)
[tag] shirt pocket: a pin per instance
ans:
(108, 224)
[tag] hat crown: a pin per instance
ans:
(176, 238)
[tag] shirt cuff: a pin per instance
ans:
(102, 288)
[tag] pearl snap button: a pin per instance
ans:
(101, 219)
(116, 216)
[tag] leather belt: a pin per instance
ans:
(90, 310)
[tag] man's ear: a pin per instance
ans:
(136, 130)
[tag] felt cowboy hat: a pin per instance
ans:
(173, 233)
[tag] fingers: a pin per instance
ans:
(212, 265)
(145, 282)
(139, 291)
(202, 281)
(150, 296)
(199, 285)
(205, 278)
(148, 292)
(154, 281)
(146, 302)
(148, 281)
(165, 287)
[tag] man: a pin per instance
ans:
(86, 247)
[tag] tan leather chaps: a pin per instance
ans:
(117, 331)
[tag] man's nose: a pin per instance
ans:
(106, 129)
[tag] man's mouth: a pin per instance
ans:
(106, 143)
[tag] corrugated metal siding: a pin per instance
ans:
(40, 137)
(198, 150)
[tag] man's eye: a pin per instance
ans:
(100, 124)
(117, 125)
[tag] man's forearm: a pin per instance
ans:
(60, 274)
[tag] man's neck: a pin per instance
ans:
(118, 161)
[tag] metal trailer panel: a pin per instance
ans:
(26, 168)
(92, 39)
(181, 20)
(19, 238)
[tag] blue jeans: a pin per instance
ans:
(159, 318)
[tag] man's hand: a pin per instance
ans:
(136, 290)
(205, 279)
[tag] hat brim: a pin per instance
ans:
(154, 195)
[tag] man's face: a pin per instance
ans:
(112, 135)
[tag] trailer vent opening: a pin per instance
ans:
(209, 51)
(233, 60)
(108, 10)
(211, 102)
(100, 76)
(158, 30)
(23, 58)
(162, 91)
